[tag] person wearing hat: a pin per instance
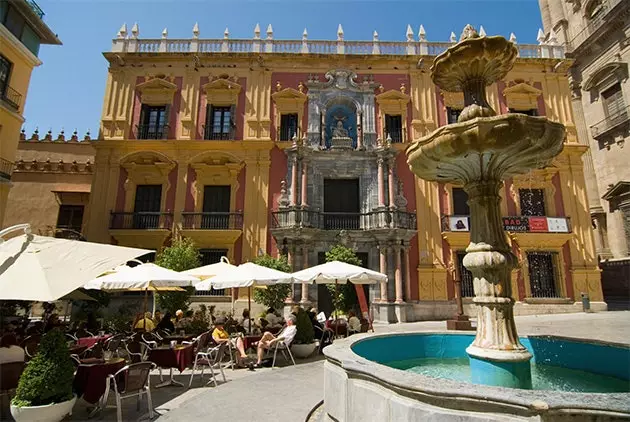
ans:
(219, 335)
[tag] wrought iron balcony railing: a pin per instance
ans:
(141, 220)
(516, 224)
(35, 8)
(394, 135)
(6, 169)
(382, 219)
(152, 131)
(11, 97)
(600, 129)
(217, 134)
(212, 220)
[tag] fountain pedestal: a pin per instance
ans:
(480, 151)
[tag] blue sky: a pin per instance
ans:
(67, 90)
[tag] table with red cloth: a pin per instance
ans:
(339, 328)
(248, 341)
(91, 377)
(91, 341)
(180, 357)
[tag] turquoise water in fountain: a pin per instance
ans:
(557, 364)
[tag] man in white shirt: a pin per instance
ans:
(286, 335)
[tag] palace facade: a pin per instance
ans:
(292, 146)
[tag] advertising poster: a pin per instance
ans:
(538, 224)
(459, 224)
(515, 224)
(558, 225)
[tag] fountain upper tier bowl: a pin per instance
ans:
(486, 148)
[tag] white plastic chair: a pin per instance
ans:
(131, 381)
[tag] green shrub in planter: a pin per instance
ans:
(47, 378)
(305, 332)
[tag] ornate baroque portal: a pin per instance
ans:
(341, 111)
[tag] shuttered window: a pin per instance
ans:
(612, 99)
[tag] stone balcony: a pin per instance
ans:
(374, 220)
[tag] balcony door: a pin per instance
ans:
(147, 207)
(341, 204)
(153, 122)
(219, 123)
(216, 207)
(532, 202)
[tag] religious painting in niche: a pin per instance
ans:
(341, 122)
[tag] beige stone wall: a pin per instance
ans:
(33, 198)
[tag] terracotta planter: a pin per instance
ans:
(303, 350)
(48, 413)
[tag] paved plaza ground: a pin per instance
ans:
(289, 393)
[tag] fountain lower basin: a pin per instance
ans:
(386, 378)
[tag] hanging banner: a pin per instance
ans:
(516, 224)
(538, 224)
(459, 223)
(558, 225)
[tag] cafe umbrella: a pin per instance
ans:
(247, 275)
(145, 277)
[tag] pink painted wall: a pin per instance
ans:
(135, 113)
(503, 107)
(509, 199)
(557, 197)
(566, 253)
(277, 173)
(191, 177)
(239, 119)
(170, 195)
(289, 80)
(441, 112)
(120, 195)
(542, 108)
(175, 108)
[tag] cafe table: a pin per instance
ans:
(90, 380)
(91, 341)
(179, 338)
(76, 349)
(180, 357)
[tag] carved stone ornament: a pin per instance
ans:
(283, 199)
(401, 201)
(342, 79)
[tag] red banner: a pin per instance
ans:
(538, 224)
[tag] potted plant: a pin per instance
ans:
(304, 343)
(44, 392)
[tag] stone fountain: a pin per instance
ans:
(480, 151)
(441, 375)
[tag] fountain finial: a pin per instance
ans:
(468, 32)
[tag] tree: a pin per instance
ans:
(344, 295)
(273, 296)
(182, 255)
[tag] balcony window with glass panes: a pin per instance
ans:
(532, 202)
(393, 128)
(219, 123)
(153, 122)
(288, 126)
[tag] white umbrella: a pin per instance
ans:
(41, 268)
(145, 276)
(142, 277)
(339, 273)
(248, 275)
(208, 271)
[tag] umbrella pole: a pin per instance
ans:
(249, 308)
(154, 299)
(336, 301)
(144, 320)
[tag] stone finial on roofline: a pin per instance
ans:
(269, 32)
(339, 33)
(409, 33)
(422, 34)
(122, 32)
(257, 32)
(196, 30)
(135, 30)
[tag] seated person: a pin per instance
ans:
(354, 323)
(157, 317)
(318, 328)
(145, 323)
(182, 323)
(219, 335)
(166, 323)
(247, 321)
(272, 318)
(9, 350)
(287, 335)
